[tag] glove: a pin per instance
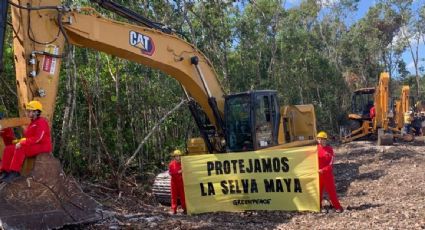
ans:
(18, 140)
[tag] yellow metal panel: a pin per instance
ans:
(381, 102)
(301, 123)
(196, 146)
(14, 122)
(43, 29)
(405, 94)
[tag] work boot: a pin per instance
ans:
(3, 175)
(12, 176)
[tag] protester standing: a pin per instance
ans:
(326, 177)
(177, 186)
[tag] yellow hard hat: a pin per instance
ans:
(34, 105)
(176, 153)
(322, 134)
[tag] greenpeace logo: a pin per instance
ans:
(143, 42)
(253, 201)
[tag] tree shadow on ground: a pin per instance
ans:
(344, 174)
(363, 207)
(374, 175)
(397, 154)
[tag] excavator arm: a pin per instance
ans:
(402, 106)
(43, 27)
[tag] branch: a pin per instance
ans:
(110, 70)
(127, 163)
(89, 100)
(100, 186)
(7, 85)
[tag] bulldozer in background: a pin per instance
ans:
(387, 124)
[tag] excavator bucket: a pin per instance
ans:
(45, 199)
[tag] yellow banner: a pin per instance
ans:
(263, 180)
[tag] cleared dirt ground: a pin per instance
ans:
(379, 187)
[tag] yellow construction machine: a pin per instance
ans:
(401, 106)
(246, 121)
(362, 124)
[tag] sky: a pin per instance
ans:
(363, 7)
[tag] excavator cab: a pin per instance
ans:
(361, 102)
(251, 120)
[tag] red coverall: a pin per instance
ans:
(8, 136)
(177, 188)
(372, 112)
(37, 141)
(327, 181)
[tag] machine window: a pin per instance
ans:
(263, 124)
(238, 124)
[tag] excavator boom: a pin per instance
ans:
(43, 28)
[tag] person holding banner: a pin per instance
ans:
(177, 187)
(326, 177)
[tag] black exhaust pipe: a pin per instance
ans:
(3, 20)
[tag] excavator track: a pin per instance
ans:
(162, 189)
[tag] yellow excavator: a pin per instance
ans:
(386, 123)
(237, 122)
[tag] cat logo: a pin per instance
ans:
(143, 42)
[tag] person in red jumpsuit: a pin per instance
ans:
(36, 141)
(372, 112)
(177, 188)
(6, 134)
(326, 177)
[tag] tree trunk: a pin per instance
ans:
(68, 104)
